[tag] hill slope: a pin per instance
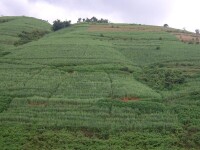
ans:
(11, 27)
(94, 86)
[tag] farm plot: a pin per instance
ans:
(83, 88)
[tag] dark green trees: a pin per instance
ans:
(93, 20)
(57, 24)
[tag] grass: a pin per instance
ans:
(77, 89)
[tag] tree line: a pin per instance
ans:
(93, 20)
(57, 24)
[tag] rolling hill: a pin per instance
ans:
(98, 86)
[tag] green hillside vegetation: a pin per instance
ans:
(12, 27)
(97, 86)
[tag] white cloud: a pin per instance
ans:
(177, 13)
(185, 14)
(47, 11)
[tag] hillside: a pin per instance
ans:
(98, 86)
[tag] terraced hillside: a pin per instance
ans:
(98, 86)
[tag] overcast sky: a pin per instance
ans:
(176, 13)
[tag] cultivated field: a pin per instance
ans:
(94, 86)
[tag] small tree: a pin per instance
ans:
(93, 19)
(87, 20)
(197, 31)
(79, 20)
(166, 25)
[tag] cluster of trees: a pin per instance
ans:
(93, 20)
(57, 24)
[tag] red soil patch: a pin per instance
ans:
(43, 104)
(126, 99)
(188, 37)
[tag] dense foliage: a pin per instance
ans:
(26, 37)
(3, 20)
(57, 25)
(93, 20)
(162, 78)
(4, 102)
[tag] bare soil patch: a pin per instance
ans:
(188, 37)
(127, 99)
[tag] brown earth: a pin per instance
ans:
(188, 37)
(127, 99)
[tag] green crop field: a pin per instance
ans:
(97, 87)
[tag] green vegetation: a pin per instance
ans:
(97, 86)
(26, 37)
(57, 25)
(162, 78)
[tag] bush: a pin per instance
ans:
(70, 71)
(162, 78)
(26, 37)
(158, 48)
(190, 42)
(3, 20)
(4, 53)
(4, 102)
(101, 35)
(126, 69)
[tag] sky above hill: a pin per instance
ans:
(176, 13)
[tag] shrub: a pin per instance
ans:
(26, 37)
(3, 20)
(162, 78)
(190, 42)
(4, 53)
(158, 48)
(70, 71)
(4, 102)
(126, 69)
(101, 35)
